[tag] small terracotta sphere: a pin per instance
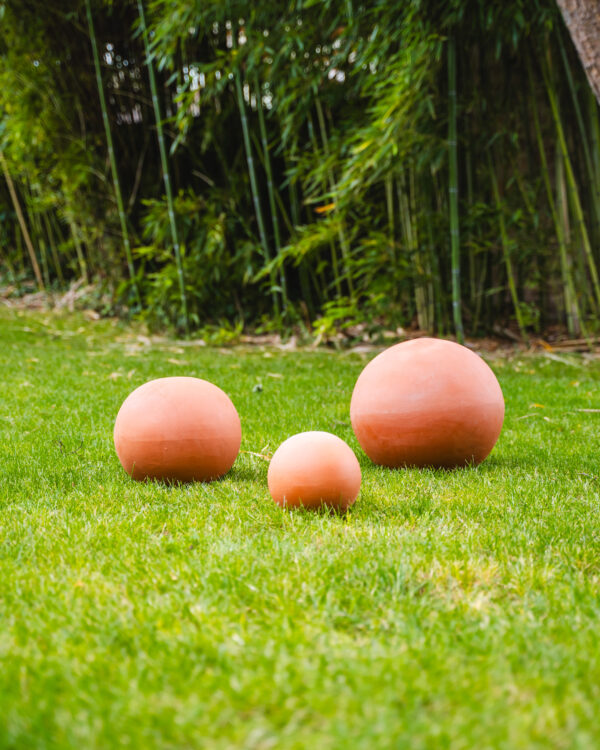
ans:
(177, 429)
(427, 402)
(312, 469)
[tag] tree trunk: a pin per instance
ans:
(582, 18)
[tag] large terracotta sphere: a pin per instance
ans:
(313, 469)
(177, 429)
(427, 402)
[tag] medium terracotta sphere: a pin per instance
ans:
(177, 429)
(427, 402)
(313, 469)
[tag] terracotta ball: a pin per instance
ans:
(177, 429)
(313, 469)
(427, 402)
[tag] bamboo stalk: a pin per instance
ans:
(111, 155)
(295, 211)
(410, 242)
(53, 248)
(573, 314)
(389, 202)
(476, 282)
(577, 258)
(480, 288)
(576, 106)
(5, 256)
(587, 154)
(342, 234)
(333, 253)
(391, 221)
(579, 218)
(278, 199)
(470, 244)
(22, 224)
(165, 169)
(438, 205)
(254, 186)
(422, 259)
(411, 246)
(270, 188)
(78, 249)
(53, 240)
(595, 128)
(437, 292)
(594, 125)
(453, 193)
(426, 255)
(292, 188)
(506, 250)
(20, 253)
(36, 230)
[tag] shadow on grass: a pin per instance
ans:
(235, 474)
(546, 462)
(244, 474)
(489, 465)
(322, 510)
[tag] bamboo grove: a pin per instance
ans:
(308, 162)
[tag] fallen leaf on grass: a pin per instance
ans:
(258, 455)
(562, 360)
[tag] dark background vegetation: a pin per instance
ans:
(310, 148)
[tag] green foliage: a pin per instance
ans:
(213, 269)
(314, 139)
(45, 117)
(338, 314)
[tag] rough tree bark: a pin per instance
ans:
(582, 18)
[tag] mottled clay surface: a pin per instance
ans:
(312, 469)
(179, 429)
(427, 402)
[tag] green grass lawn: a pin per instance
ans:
(445, 610)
